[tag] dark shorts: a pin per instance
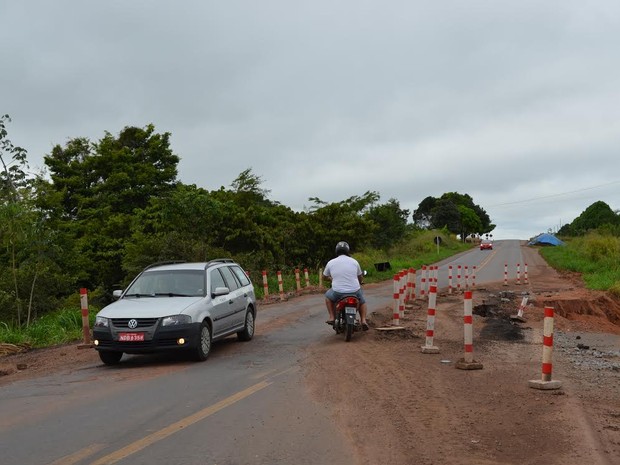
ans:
(335, 296)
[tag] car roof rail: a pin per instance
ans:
(166, 262)
(219, 260)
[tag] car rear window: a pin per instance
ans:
(240, 274)
(233, 284)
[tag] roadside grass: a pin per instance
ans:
(60, 327)
(596, 256)
(65, 325)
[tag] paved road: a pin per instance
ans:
(246, 404)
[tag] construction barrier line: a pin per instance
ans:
(280, 285)
(468, 362)
(546, 381)
(396, 312)
(428, 347)
(85, 321)
(265, 284)
(297, 280)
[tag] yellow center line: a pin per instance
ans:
(79, 455)
(487, 259)
(178, 426)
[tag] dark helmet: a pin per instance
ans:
(342, 248)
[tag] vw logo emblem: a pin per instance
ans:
(132, 324)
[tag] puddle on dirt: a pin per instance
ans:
(497, 324)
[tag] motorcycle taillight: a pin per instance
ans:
(351, 301)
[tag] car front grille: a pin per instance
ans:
(142, 322)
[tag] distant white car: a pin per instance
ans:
(177, 306)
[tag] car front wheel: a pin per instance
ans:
(204, 342)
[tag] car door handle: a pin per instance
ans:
(230, 302)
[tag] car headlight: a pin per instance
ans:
(102, 322)
(176, 320)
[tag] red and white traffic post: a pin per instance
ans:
(396, 295)
(410, 294)
(297, 279)
(546, 383)
(449, 279)
(519, 315)
(423, 282)
(505, 274)
(458, 278)
(85, 321)
(428, 347)
(473, 277)
(468, 362)
(265, 284)
(307, 277)
(525, 280)
(402, 285)
(280, 285)
(518, 273)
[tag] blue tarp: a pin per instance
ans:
(546, 239)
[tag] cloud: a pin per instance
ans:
(501, 100)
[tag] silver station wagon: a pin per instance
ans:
(177, 306)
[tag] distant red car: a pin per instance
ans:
(486, 245)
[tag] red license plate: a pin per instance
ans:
(130, 337)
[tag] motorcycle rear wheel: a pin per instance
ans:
(348, 332)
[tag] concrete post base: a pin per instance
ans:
(518, 318)
(473, 365)
(544, 385)
(430, 350)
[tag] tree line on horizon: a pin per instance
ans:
(104, 210)
(597, 217)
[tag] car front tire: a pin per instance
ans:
(203, 348)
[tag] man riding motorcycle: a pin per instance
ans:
(347, 277)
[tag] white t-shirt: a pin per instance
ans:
(344, 272)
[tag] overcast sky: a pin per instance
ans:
(516, 103)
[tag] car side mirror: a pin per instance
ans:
(220, 291)
(117, 293)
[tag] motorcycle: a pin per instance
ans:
(347, 319)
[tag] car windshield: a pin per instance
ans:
(173, 283)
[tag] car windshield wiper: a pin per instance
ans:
(139, 295)
(172, 294)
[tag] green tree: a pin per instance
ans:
(470, 221)
(390, 221)
(29, 275)
(448, 210)
(341, 221)
(100, 186)
(597, 215)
